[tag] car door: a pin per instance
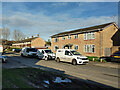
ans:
(68, 56)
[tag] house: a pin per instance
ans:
(35, 42)
(100, 40)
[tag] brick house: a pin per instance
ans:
(36, 42)
(100, 40)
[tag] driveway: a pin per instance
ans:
(90, 72)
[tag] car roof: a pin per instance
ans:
(67, 49)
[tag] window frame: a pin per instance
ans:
(76, 35)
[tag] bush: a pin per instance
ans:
(91, 58)
(95, 58)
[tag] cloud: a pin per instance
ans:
(32, 24)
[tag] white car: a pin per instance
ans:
(72, 56)
(47, 54)
(29, 52)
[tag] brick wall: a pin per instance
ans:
(38, 42)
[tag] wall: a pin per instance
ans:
(108, 33)
(38, 42)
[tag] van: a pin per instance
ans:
(47, 54)
(28, 52)
(71, 56)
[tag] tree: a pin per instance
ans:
(5, 33)
(48, 42)
(17, 35)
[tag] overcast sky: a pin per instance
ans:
(47, 19)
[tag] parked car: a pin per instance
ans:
(47, 54)
(72, 56)
(39, 55)
(16, 50)
(29, 52)
(3, 58)
(115, 56)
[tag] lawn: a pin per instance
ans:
(37, 78)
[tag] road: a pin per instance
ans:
(90, 72)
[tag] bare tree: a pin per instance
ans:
(5, 33)
(17, 35)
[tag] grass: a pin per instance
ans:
(32, 77)
(95, 59)
(19, 77)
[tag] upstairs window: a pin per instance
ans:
(63, 38)
(69, 36)
(76, 36)
(90, 35)
(56, 39)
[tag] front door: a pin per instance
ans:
(68, 56)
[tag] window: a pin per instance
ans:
(69, 36)
(63, 38)
(76, 47)
(76, 36)
(90, 35)
(89, 48)
(56, 47)
(67, 53)
(56, 39)
(63, 47)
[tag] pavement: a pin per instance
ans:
(107, 64)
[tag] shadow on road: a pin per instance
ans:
(24, 62)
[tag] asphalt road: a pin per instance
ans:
(90, 72)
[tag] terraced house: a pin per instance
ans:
(36, 42)
(100, 40)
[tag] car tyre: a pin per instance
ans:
(74, 62)
(58, 60)
(46, 58)
(21, 54)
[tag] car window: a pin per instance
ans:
(117, 53)
(42, 51)
(67, 53)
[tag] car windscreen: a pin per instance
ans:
(117, 53)
(48, 51)
(75, 53)
(31, 50)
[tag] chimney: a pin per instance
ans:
(32, 36)
(24, 38)
(38, 35)
(27, 37)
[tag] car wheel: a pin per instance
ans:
(46, 58)
(74, 62)
(21, 54)
(58, 60)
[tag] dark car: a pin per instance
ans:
(17, 50)
(115, 56)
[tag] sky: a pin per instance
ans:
(49, 18)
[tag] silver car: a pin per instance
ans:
(3, 58)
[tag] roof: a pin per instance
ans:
(26, 40)
(88, 29)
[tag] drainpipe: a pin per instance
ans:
(100, 43)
